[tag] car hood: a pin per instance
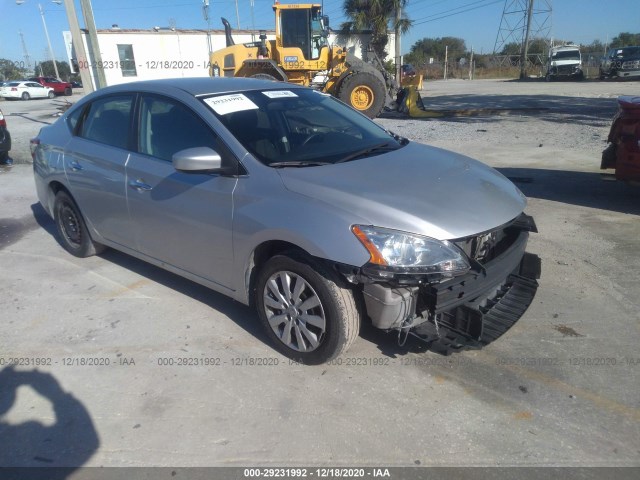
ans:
(570, 61)
(419, 189)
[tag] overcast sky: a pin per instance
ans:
(476, 21)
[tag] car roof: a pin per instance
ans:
(198, 86)
(565, 47)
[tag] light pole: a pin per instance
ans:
(46, 33)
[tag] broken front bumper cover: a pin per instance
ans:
(465, 312)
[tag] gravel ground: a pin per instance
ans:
(571, 116)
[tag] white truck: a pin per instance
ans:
(564, 62)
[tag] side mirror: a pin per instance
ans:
(197, 159)
(324, 22)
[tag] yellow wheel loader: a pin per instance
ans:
(301, 54)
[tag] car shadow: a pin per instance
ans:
(54, 450)
(586, 189)
(390, 344)
(242, 315)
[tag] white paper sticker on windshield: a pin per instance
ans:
(230, 103)
(279, 93)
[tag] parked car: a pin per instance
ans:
(5, 141)
(288, 200)
(564, 62)
(76, 85)
(59, 87)
(25, 90)
(623, 151)
(621, 62)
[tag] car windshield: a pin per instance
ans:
(567, 55)
(294, 127)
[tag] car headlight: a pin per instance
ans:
(401, 252)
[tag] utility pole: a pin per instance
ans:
(87, 13)
(446, 60)
(471, 65)
(46, 32)
(397, 42)
(78, 46)
(205, 14)
(237, 15)
(253, 23)
(524, 50)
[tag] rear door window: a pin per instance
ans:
(108, 121)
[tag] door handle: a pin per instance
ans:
(75, 166)
(140, 185)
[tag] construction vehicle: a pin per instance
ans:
(301, 54)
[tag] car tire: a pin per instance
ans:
(25, 96)
(68, 92)
(51, 94)
(72, 229)
(291, 291)
(364, 92)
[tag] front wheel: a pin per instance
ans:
(51, 94)
(72, 230)
(307, 314)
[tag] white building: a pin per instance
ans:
(130, 55)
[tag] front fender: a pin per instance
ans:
(319, 229)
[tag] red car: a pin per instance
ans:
(5, 142)
(59, 87)
(623, 152)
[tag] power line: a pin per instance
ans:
(450, 10)
(457, 13)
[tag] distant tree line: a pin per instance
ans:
(428, 50)
(17, 70)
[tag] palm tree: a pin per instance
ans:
(377, 16)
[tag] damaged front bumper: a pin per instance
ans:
(467, 311)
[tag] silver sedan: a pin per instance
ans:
(285, 199)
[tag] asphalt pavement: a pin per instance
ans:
(119, 363)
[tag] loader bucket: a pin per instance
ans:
(410, 102)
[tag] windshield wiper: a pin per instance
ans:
(297, 164)
(379, 148)
(401, 140)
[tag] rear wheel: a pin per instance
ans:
(25, 96)
(364, 92)
(264, 76)
(72, 230)
(68, 91)
(306, 313)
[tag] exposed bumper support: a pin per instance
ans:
(464, 312)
